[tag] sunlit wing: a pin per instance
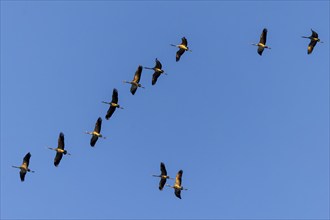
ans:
(98, 125)
(263, 36)
(311, 46)
(178, 178)
(26, 159)
(137, 74)
(179, 54)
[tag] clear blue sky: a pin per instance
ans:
(250, 132)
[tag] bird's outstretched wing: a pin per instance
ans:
(162, 183)
(163, 169)
(260, 50)
(178, 178)
(263, 36)
(179, 54)
(22, 175)
(311, 46)
(110, 111)
(184, 41)
(155, 77)
(137, 75)
(133, 89)
(98, 125)
(26, 159)
(93, 140)
(60, 144)
(158, 64)
(314, 34)
(58, 158)
(177, 193)
(114, 96)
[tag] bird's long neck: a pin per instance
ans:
(105, 102)
(149, 68)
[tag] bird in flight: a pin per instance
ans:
(59, 150)
(182, 48)
(136, 80)
(163, 176)
(262, 42)
(314, 39)
(113, 104)
(24, 168)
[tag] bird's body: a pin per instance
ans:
(262, 42)
(24, 168)
(113, 104)
(157, 71)
(314, 39)
(182, 48)
(163, 176)
(96, 134)
(136, 80)
(177, 186)
(59, 150)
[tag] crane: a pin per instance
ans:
(24, 168)
(177, 186)
(59, 150)
(136, 80)
(96, 133)
(314, 39)
(113, 104)
(157, 71)
(262, 42)
(163, 176)
(182, 48)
